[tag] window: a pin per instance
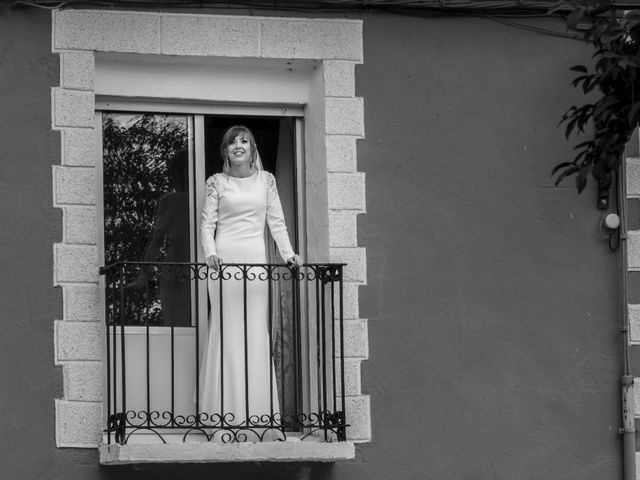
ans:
(288, 62)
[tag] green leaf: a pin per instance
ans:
(579, 68)
(560, 166)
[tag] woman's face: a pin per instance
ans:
(239, 150)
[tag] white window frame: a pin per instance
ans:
(312, 64)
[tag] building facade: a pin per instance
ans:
(482, 307)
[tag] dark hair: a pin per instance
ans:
(230, 135)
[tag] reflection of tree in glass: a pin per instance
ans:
(135, 151)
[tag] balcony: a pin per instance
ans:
(158, 322)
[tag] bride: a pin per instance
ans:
(237, 380)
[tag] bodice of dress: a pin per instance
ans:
(235, 213)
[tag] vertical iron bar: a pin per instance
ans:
(318, 338)
(245, 271)
(342, 386)
(148, 368)
(296, 340)
(221, 340)
(173, 372)
(196, 277)
(108, 352)
(114, 359)
(270, 324)
(333, 345)
(323, 409)
(282, 359)
(122, 353)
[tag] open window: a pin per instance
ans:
(153, 169)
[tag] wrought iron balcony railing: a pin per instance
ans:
(162, 357)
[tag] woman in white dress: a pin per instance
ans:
(239, 203)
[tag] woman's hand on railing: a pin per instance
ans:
(295, 261)
(214, 262)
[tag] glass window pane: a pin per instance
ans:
(146, 212)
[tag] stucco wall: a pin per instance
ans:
(492, 301)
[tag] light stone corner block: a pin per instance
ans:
(358, 416)
(81, 302)
(341, 153)
(210, 35)
(633, 177)
(356, 260)
(346, 191)
(74, 185)
(75, 263)
(343, 228)
(356, 340)
(311, 38)
(79, 225)
(77, 341)
(106, 31)
(352, 377)
(78, 424)
(72, 108)
(339, 78)
(77, 70)
(350, 297)
(633, 250)
(78, 147)
(83, 381)
(634, 322)
(344, 116)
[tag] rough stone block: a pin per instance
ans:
(77, 70)
(339, 79)
(79, 225)
(352, 378)
(74, 185)
(344, 116)
(358, 415)
(633, 250)
(634, 322)
(346, 191)
(356, 341)
(73, 108)
(78, 424)
(341, 153)
(633, 176)
(83, 381)
(311, 38)
(76, 341)
(356, 260)
(81, 301)
(350, 297)
(343, 228)
(75, 263)
(128, 32)
(78, 147)
(211, 35)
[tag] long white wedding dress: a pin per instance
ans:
(235, 213)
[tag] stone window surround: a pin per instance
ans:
(78, 337)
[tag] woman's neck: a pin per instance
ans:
(241, 171)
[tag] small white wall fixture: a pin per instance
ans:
(317, 56)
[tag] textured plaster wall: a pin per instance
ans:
(492, 302)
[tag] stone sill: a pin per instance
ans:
(210, 452)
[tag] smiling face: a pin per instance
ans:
(239, 150)
(238, 147)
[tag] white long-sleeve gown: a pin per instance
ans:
(235, 213)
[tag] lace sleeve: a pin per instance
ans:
(275, 218)
(210, 217)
